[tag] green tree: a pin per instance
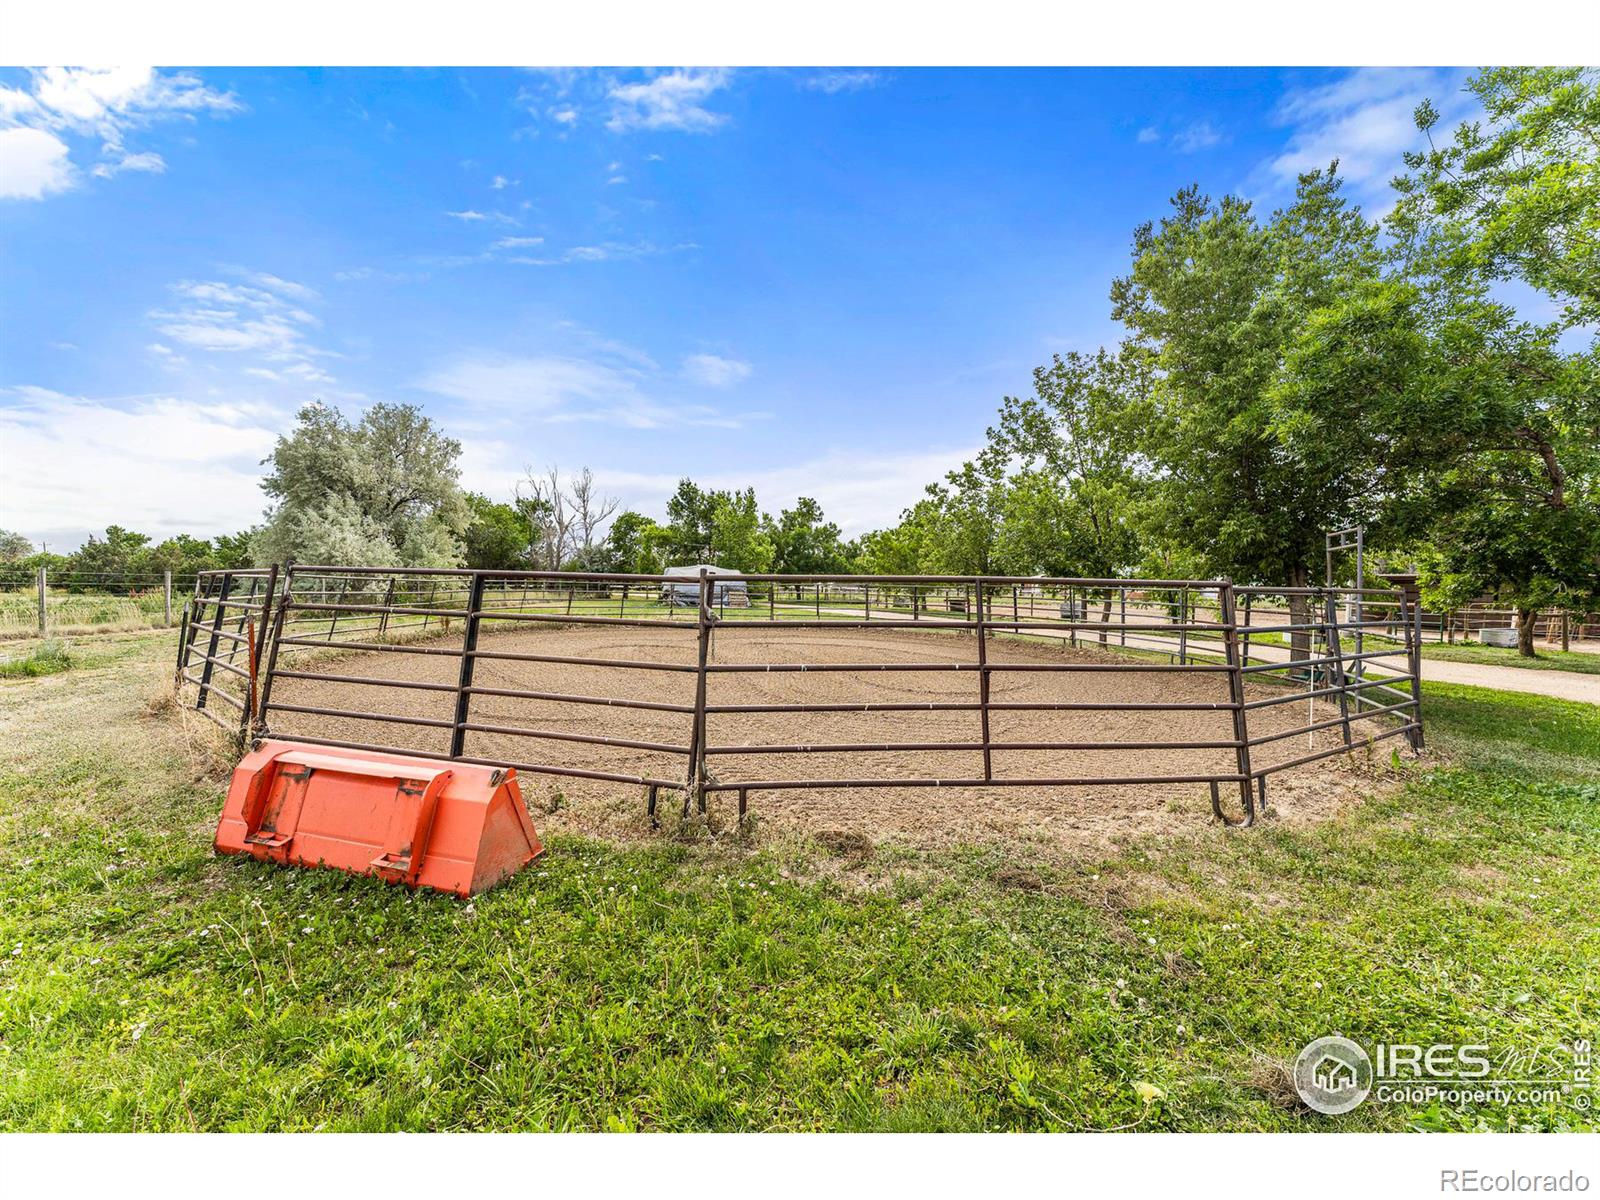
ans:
(13, 546)
(382, 492)
(497, 537)
(1507, 498)
(635, 545)
(1218, 302)
(119, 552)
(738, 538)
(1517, 197)
(804, 543)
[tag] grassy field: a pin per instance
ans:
(146, 984)
(1545, 659)
(76, 613)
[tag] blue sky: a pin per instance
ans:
(816, 282)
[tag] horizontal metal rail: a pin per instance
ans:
(754, 785)
(1329, 724)
(529, 768)
(879, 747)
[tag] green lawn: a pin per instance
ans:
(1544, 659)
(146, 984)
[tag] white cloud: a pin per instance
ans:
(711, 370)
(75, 465)
(469, 214)
(560, 388)
(564, 116)
(149, 162)
(1202, 135)
(672, 100)
(500, 182)
(104, 104)
(834, 82)
(1363, 120)
(33, 164)
(517, 243)
(604, 252)
(263, 319)
(1149, 134)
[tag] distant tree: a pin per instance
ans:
(804, 543)
(691, 522)
(13, 546)
(1071, 505)
(498, 536)
(119, 552)
(910, 548)
(381, 492)
(738, 539)
(566, 516)
(234, 549)
(634, 545)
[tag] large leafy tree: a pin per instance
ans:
(1218, 302)
(380, 492)
(1508, 499)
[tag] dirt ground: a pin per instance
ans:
(1052, 819)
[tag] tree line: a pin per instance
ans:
(1279, 375)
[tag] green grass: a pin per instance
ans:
(49, 657)
(68, 612)
(1506, 656)
(146, 984)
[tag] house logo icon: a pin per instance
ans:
(1333, 1075)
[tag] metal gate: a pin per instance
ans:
(222, 644)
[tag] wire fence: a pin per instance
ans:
(44, 603)
(731, 686)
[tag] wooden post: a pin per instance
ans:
(44, 618)
(166, 600)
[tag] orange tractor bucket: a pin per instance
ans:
(421, 822)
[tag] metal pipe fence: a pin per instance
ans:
(329, 645)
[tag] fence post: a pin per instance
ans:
(1336, 652)
(469, 647)
(696, 791)
(1412, 595)
(249, 720)
(166, 600)
(983, 678)
(388, 602)
(1241, 725)
(44, 620)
